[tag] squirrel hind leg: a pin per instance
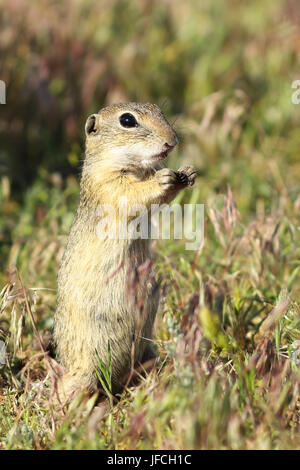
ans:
(150, 359)
(72, 384)
(149, 354)
(145, 365)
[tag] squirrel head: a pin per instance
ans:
(129, 134)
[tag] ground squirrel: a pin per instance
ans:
(106, 290)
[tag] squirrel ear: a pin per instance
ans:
(92, 125)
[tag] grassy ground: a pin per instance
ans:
(228, 330)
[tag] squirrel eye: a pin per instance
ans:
(128, 120)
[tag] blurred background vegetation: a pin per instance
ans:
(222, 72)
(222, 69)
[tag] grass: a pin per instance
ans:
(227, 333)
(228, 328)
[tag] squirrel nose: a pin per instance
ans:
(168, 146)
(174, 141)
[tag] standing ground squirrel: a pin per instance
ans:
(106, 291)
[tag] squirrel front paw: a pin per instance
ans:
(187, 175)
(170, 179)
(167, 178)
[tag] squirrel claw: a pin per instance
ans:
(187, 175)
